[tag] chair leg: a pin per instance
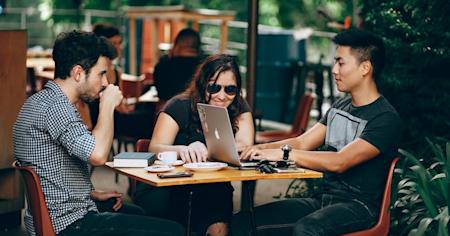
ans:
(116, 178)
(91, 171)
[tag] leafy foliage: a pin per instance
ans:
(417, 36)
(423, 192)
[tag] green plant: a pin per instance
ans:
(422, 205)
(414, 80)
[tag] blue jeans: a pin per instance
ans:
(321, 215)
(122, 224)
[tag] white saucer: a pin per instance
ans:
(205, 166)
(175, 163)
(159, 168)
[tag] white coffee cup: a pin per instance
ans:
(168, 157)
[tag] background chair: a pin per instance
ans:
(382, 226)
(36, 201)
(299, 125)
(141, 146)
(131, 89)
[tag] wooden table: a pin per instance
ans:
(41, 63)
(151, 96)
(225, 175)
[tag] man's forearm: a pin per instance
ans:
(293, 142)
(103, 134)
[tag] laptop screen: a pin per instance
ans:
(218, 134)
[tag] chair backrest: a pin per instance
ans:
(300, 123)
(36, 201)
(131, 89)
(142, 145)
(382, 226)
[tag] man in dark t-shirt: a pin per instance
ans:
(360, 133)
(174, 71)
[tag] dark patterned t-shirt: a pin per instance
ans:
(377, 123)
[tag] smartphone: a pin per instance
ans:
(174, 175)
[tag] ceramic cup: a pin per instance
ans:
(168, 157)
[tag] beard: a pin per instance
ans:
(86, 98)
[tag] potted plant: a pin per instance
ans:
(422, 196)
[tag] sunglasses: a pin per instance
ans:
(215, 88)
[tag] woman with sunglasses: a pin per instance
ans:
(217, 81)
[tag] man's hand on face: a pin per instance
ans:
(111, 96)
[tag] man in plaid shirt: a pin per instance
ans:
(50, 136)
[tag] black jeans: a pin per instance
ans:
(320, 215)
(107, 223)
(127, 208)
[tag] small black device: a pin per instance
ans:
(266, 168)
(174, 175)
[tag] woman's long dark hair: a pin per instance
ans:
(205, 72)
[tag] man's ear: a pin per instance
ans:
(76, 72)
(366, 67)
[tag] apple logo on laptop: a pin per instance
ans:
(216, 133)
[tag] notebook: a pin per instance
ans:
(134, 159)
(219, 135)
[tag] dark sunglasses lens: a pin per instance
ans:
(231, 89)
(213, 88)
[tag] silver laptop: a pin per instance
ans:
(219, 135)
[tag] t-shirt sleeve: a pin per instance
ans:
(69, 130)
(179, 109)
(323, 120)
(383, 131)
(244, 106)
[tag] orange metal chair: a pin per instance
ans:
(382, 226)
(299, 125)
(36, 201)
(142, 145)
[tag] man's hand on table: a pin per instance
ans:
(256, 153)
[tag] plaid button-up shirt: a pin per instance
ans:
(50, 136)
